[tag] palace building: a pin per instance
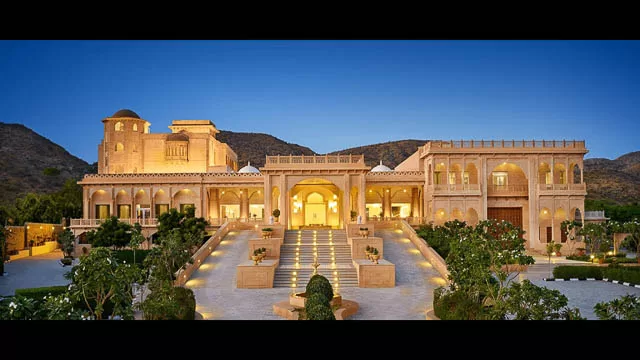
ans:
(533, 184)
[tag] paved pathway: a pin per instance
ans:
(33, 271)
(217, 297)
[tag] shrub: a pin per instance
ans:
(314, 300)
(267, 229)
(127, 255)
(320, 312)
(187, 303)
(622, 274)
(620, 260)
(51, 171)
(319, 284)
(579, 257)
(580, 272)
(625, 308)
(456, 305)
(276, 213)
(40, 292)
(526, 301)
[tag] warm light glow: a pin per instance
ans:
(293, 285)
(404, 190)
(295, 197)
(592, 256)
(52, 228)
(293, 279)
(387, 190)
(223, 193)
(40, 227)
(240, 191)
(544, 211)
(610, 253)
(370, 190)
(335, 273)
(27, 228)
(64, 228)
(335, 196)
(553, 253)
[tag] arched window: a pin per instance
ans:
(119, 147)
(135, 127)
(119, 126)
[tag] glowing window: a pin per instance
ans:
(119, 126)
(500, 178)
(135, 127)
(119, 147)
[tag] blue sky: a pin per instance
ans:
(331, 95)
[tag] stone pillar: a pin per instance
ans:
(362, 193)
(112, 208)
(346, 207)
(132, 213)
(152, 202)
(204, 200)
(283, 201)
(214, 204)
(483, 186)
(267, 196)
(86, 208)
(533, 235)
(415, 202)
(244, 203)
(170, 198)
(386, 202)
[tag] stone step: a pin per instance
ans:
(284, 277)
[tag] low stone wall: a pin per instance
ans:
(371, 275)
(21, 254)
(427, 251)
(272, 246)
(205, 250)
(19, 236)
(353, 230)
(251, 276)
(359, 244)
(48, 247)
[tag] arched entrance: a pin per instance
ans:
(315, 203)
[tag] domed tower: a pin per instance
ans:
(121, 151)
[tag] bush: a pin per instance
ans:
(40, 292)
(622, 274)
(320, 312)
(315, 300)
(187, 302)
(580, 272)
(625, 308)
(319, 284)
(620, 260)
(51, 171)
(456, 305)
(127, 255)
(579, 257)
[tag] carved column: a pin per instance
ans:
(415, 202)
(362, 193)
(214, 203)
(386, 202)
(244, 203)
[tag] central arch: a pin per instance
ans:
(315, 203)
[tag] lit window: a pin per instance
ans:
(119, 126)
(465, 177)
(135, 127)
(436, 177)
(500, 178)
(452, 178)
(547, 177)
(561, 177)
(119, 147)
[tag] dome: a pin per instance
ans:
(125, 113)
(381, 168)
(249, 169)
(177, 137)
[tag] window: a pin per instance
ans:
(135, 127)
(161, 209)
(102, 211)
(119, 147)
(452, 178)
(436, 177)
(561, 177)
(119, 126)
(547, 178)
(465, 178)
(500, 178)
(184, 207)
(124, 211)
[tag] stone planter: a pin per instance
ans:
(299, 300)
(266, 234)
(364, 233)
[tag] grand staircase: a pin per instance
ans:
(297, 254)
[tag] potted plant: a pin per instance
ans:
(31, 242)
(556, 248)
(581, 251)
(256, 256)
(276, 214)
(264, 252)
(364, 232)
(367, 251)
(375, 256)
(354, 214)
(266, 233)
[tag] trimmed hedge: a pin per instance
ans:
(580, 272)
(127, 255)
(314, 300)
(319, 284)
(40, 292)
(622, 274)
(579, 257)
(320, 312)
(621, 260)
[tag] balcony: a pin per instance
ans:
(456, 189)
(98, 222)
(507, 190)
(546, 189)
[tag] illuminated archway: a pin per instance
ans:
(315, 203)
(471, 217)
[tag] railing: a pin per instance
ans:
(456, 187)
(595, 214)
(315, 159)
(220, 221)
(478, 144)
(562, 186)
(427, 251)
(507, 189)
(183, 275)
(98, 222)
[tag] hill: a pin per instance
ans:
(33, 163)
(255, 146)
(615, 180)
(391, 153)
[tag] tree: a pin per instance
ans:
(526, 301)
(99, 278)
(111, 233)
(593, 233)
(633, 240)
(570, 228)
(136, 239)
(186, 222)
(67, 242)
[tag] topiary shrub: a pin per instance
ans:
(314, 300)
(320, 312)
(319, 284)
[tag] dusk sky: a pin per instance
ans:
(331, 95)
